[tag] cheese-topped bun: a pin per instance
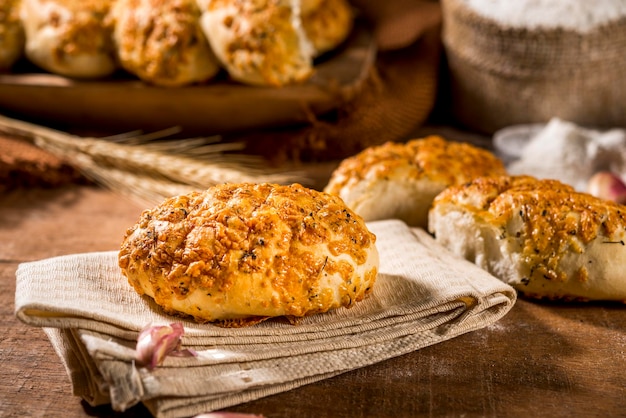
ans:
(237, 254)
(69, 37)
(161, 42)
(259, 42)
(327, 23)
(400, 181)
(11, 33)
(540, 236)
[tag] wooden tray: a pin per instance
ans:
(121, 103)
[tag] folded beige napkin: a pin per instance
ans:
(423, 296)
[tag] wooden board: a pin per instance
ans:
(121, 103)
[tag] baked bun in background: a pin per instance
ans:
(327, 23)
(308, 6)
(237, 254)
(11, 33)
(161, 42)
(69, 37)
(400, 181)
(540, 236)
(259, 42)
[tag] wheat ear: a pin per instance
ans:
(139, 166)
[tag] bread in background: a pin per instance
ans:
(11, 34)
(161, 42)
(327, 23)
(259, 42)
(400, 180)
(69, 37)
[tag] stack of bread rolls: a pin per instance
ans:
(174, 42)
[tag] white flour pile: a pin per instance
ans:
(579, 15)
(563, 151)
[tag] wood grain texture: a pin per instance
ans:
(540, 360)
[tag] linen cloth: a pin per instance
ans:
(423, 296)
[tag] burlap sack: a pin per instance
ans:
(503, 76)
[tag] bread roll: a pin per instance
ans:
(259, 42)
(237, 254)
(327, 23)
(69, 37)
(11, 34)
(400, 181)
(540, 236)
(161, 42)
(308, 6)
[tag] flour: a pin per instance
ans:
(566, 152)
(579, 15)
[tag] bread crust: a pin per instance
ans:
(69, 37)
(259, 42)
(327, 23)
(400, 180)
(11, 33)
(240, 253)
(541, 236)
(162, 43)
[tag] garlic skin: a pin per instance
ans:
(157, 342)
(607, 186)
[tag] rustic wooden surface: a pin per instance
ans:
(540, 360)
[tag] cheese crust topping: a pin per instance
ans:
(400, 180)
(240, 253)
(541, 236)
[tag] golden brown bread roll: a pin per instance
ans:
(259, 42)
(540, 236)
(400, 181)
(69, 37)
(11, 33)
(237, 254)
(172, 42)
(161, 42)
(307, 6)
(327, 23)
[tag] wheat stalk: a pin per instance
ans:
(139, 166)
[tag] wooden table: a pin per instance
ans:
(540, 360)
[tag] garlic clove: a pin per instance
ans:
(608, 186)
(157, 342)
